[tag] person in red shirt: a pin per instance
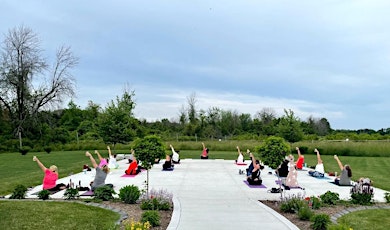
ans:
(133, 168)
(50, 178)
(301, 159)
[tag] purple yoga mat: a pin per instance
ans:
(87, 193)
(254, 186)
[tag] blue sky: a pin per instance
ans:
(318, 58)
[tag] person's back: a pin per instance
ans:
(100, 179)
(282, 171)
(133, 168)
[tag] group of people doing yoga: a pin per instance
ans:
(287, 170)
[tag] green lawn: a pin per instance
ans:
(377, 219)
(54, 215)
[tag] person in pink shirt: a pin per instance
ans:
(103, 161)
(205, 152)
(50, 178)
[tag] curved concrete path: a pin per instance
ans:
(210, 194)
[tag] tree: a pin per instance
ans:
(272, 151)
(289, 127)
(27, 82)
(116, 124)
(147, 150)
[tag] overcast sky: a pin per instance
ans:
(318, 58)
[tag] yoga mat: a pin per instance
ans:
(254, 186)
(125, 175)
(332, 182)
(279, 183)
(321, 178)
(87, 193)
(171, 169)
(241, 163)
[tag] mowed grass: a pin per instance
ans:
(54, 215)
(377, 219)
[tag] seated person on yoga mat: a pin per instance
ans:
(112, 163)
(254, 178)
(133, 168)
(205, 152)
(240, 158)
(282, 169)
(168, 165)
(101, 173)
(291, 180)
(50, 178)
(175, 155)
(319, 169)
(346, 173)
(301, 159)
(250, 167)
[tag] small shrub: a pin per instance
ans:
(387, 197)
(132, 225)
(320, 221)
(71, 194)
(305, 213)
(47, 149)
(330, 198)
(104, 193)
(44, 194)
(129, 194)
(291, 205)
(361, 198)
(151, 216)
(19, 192)
(24, 150)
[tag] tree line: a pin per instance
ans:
(31, 89)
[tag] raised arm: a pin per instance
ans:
(100, 157)
(203, 145)
(319, 160)
(238, 150)
(39, 163)
(339, 162)
(173, 150)
(109, 151)
(252, 157)
(88, 154)
(298, 151)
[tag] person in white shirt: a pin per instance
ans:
(319, 170)
(175, 155)
(240, 158)
(112, 163)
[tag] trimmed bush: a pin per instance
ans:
(330, 198)
(305, 213)
(129, 194)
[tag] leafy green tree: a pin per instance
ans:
(289, 127)
(147, 150)
(116, 124)
(273, 150)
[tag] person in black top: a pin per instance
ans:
(254, 178)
